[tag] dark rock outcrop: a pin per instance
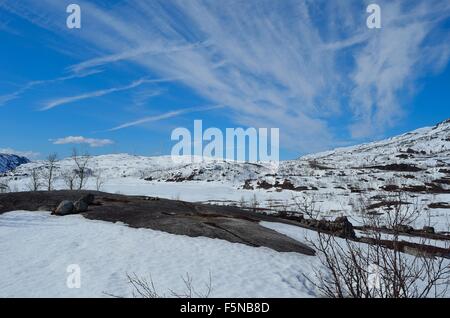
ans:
(402, 167)
(80, 206)
(64, 208)
(428, 229)
(340, 227)
(88, 198)
(175, 217)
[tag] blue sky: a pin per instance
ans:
(138, 69)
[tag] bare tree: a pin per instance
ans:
(82, 171)
(49, 173)
(190, 291)
(306, 205)
(379, 267)
(144, 288)
(99, 180)
(283, 208)
(69, 178)
(35, 180)
(254, 203)
(4, 186)
(242, 203)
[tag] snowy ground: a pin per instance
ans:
(37, 248)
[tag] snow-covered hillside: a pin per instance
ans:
(10, 161)
(423, 148)
(416, 163)
(162, 168)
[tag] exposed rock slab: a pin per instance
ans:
(176, 217)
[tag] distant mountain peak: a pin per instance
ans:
(444, 123)
(10, 161)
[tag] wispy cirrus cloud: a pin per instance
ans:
(92, 142)
(166, 115)
(293, 64)
(391, 60)
(98, 93)
(131, 54)
(4, 99)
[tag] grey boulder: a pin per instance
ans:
(64, 208)
(81, 206)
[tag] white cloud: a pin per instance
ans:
(167, 115)
(27, 154)
(4, 99)
(131, 54)
(98, 93)
(296, 65)
(389, 62)
(82, 140)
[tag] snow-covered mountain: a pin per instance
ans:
(417, 163)
(418, 145)
(423, 154)
(10, 162)
(425, 151)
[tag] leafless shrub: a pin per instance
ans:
(254, 204)
(271, 205)
(81, 170)
(4, 186)
(374, 270)
(306, 205)
(35, 182)
(144, 288)
(242, 203)
(99, 180)
(283, 208)
(189, 290)
(48, 175)
(69, 178)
